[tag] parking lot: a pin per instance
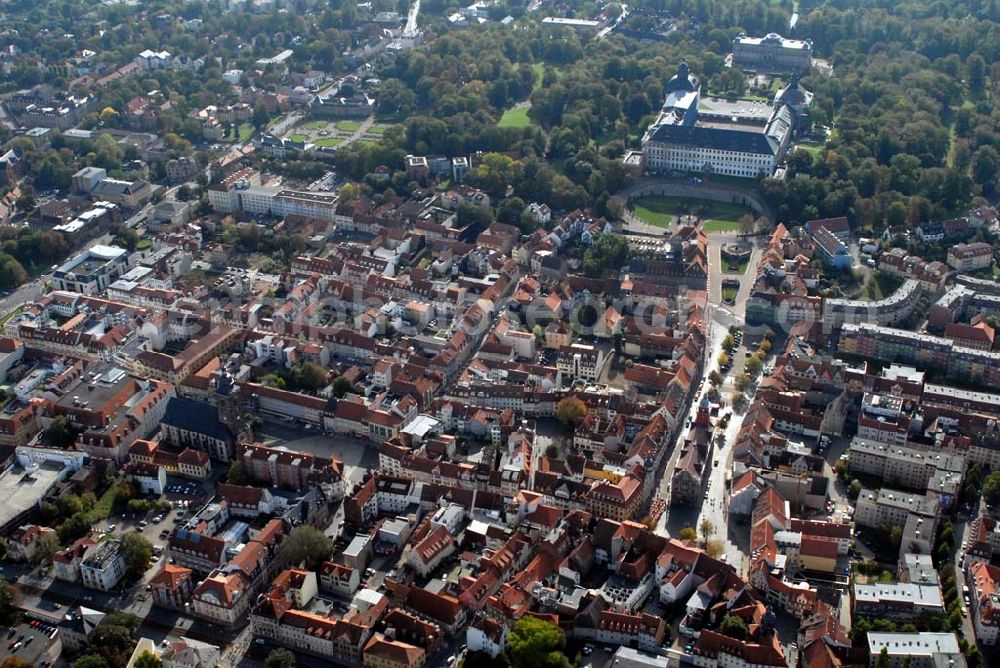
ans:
(184, 496)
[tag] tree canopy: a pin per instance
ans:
(734, 627)
(147, 660)
(137, 551)
(571, 410)
(535, 643)
(280, 658)
(991, 489)
(607, 252)
(306, 544)
(113, 640)
(9, 612)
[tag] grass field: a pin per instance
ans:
(102, 509)
(738, 181)
(246, 131)
(6, 318)
(722, 225)
(952, 135)
(659, 211)
(514, 118)
(729, 293)
(327, 142)
(365, 142)
(315, 125)
(718, 216)
(378, 129)
(737, 268)
(348, 126)
(299, 138)
(812, 149)
(879, 286)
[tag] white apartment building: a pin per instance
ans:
(91, 271)
(103, 566)
(891, 507)
(580, 361)
(246, 196)
(222, 597)
(916, 650)
(906, 466)
(901, 600)
(487, 635)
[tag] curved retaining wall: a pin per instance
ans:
(706, 191)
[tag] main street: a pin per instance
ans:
(714, 506)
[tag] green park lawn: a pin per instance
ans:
(327, 142)
(738, 268)
(811, 149)
(879, 286)
(348, 126)
(719, 216)
(659, 211)
(315, 125)
(721, 225)
(299, 138)
(724, 216)
(514, 118)
(539, 69)
(378, 129)
(3, 320)
(246, 131)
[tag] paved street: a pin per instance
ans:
(716, 507)
(963, 529)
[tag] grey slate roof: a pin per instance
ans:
(195, 416)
